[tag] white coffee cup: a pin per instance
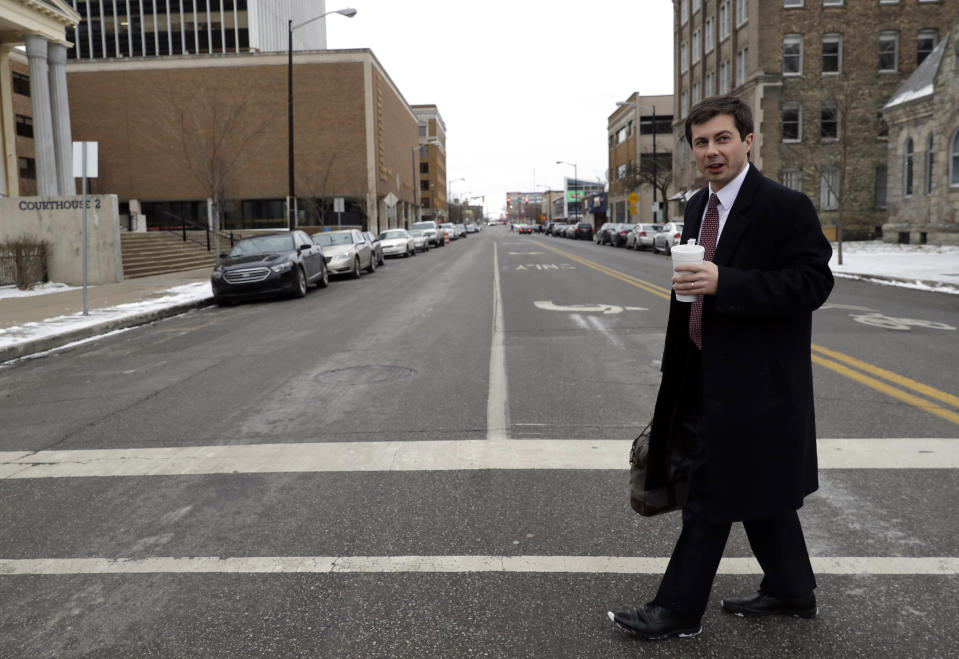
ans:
(688, 253)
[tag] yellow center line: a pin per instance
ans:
(861, 378)
(918, 387)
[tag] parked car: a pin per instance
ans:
(583, 231)
(375, 246)
(275, 264)
(420, 241)
(346, 252)
(397, 242)
(602, 235)
(432, 231)
(472, 228)
(524, 228)
(460, 230)
(641, 237)
(447, 229)
(669, 235)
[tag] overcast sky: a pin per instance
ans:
(520, 84)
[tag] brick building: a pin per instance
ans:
(640, 133)
(817, 74)
(179, 130)
(923, 119)
(431, 168)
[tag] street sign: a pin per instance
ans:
(338, 206)
(632, 199)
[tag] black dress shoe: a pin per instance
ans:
(653, 622)
(766, 605)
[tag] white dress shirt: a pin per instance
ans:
(727, 197)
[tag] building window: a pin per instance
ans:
(424, 186)
(684, 57)
(424, 168)
(792, 122)
(907, 168)
(792, 178)
(925, 42)
(710, 85)
(24, 126)
(697, 92)
(742, 58)
(881, 176)
(696, 41)
(422, 129)
(829, 122)
(742, 12)
(621, 135)
(792, 3)
(954, 160)
(929, 163)
(28, 168)
(889, 2)
(832, 3)
(21, 84)
(831, 53)
(684, 103)
(723, 21)
(683, 12)
(425, 202)
(829, 189)
(709, 35)
(621, 172)
(792, 55)
(888, 50)
(724, 74)
(697, 5)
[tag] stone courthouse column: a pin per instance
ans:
(60, 111)
(44, 154)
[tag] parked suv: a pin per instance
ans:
(583, 231)
(432, 231)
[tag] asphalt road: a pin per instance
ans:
(378, 470)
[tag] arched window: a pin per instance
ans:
(954, 160)
(929, 161)
(907, 168)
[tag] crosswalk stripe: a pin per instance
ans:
(574, 454)
(851, 565)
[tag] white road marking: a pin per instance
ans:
(497, 400)
(855, 565)
(607, 309)
(445, 455)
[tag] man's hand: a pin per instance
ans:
(696, 278)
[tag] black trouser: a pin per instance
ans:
(777, 542)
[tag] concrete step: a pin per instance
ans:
(153, 253)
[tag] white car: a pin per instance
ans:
(420, 240)
(669, 235)
(432, 231)
(397, 242)
(346, 251)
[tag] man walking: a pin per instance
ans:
(736, 399)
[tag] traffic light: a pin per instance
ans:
(508, 202)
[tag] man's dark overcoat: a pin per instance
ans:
(758, 422)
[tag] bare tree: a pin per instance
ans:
(314, 178)
(211, 128)
(658, 176)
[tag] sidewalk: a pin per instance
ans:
(32, 323)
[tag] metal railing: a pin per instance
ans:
(190, 231)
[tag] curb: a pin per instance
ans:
(940, 286)
(33, 346)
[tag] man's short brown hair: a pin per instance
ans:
(715, 105)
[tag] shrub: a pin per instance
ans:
(23, 261)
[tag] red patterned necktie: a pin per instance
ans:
(707, 238)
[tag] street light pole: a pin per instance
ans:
(449, 188)
(291, 201)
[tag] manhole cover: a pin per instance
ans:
(364, 375)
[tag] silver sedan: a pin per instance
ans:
(397, 242)
(346, 252)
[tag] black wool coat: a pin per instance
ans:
(758, 421)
